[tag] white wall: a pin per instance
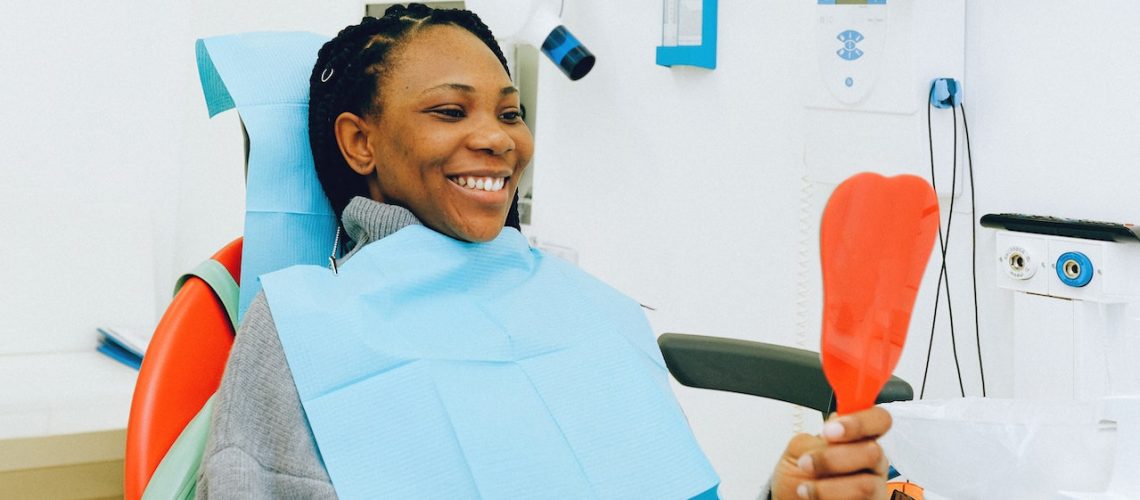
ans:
(685, 188)
(112, 179)
(92, 149)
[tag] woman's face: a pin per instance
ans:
(449, 142)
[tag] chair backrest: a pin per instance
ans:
(182, 368)
(759, 369)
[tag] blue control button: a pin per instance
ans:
(850, 50)
(849, 82)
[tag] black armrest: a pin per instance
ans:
(766, 370)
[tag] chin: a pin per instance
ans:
(481, 233)
(481, 236)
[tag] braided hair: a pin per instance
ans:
(346, 78)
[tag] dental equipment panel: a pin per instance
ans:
(866, 73)
(1077, 283)
(1076, 328)
(860, 28)
(1072, 430)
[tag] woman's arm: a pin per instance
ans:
(260, 445)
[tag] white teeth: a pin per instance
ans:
(490, 184)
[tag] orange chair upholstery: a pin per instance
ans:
(182, 368)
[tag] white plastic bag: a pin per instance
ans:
(1000, 448)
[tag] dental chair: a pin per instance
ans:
(183, 367)
(759, 369)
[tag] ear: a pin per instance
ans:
(352, 137)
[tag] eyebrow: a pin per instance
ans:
(467, 89)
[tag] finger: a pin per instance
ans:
(867, 424)
(802, 444)
(861, 486)
(844, 459)
(883, 467)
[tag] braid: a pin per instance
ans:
(346, 78)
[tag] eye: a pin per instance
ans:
(449, 113)
(512, 116)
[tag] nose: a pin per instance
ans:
(490, 136)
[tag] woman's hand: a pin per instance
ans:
(845, 462)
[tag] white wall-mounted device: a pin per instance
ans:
(850, 43)
(1073, 328)
(866, 72)
(862, 56)
(1076, 327)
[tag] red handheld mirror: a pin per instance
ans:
(875, 240)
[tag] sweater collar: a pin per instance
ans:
(367, 221)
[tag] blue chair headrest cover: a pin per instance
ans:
(265, 76)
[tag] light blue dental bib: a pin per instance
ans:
(434, 368)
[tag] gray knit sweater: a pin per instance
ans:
(260, 445)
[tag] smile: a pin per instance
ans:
(492, 184)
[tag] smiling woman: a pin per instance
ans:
(448, 142)
(446, 358)
(419, 111)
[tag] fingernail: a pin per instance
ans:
(802, 490)
(806, 464)
(833, 429)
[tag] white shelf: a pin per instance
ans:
(55, 394)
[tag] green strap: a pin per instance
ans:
(218, 278)
(177, 475)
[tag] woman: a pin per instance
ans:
(414, 121)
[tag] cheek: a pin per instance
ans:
(408, 175)
(524, 144)
(525, 138)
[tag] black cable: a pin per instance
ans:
(944, 245)
(949, 221)
(974, 247)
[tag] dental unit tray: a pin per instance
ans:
(1056, 226)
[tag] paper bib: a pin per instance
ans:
(434, 368)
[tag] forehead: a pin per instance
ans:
(444, 54)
